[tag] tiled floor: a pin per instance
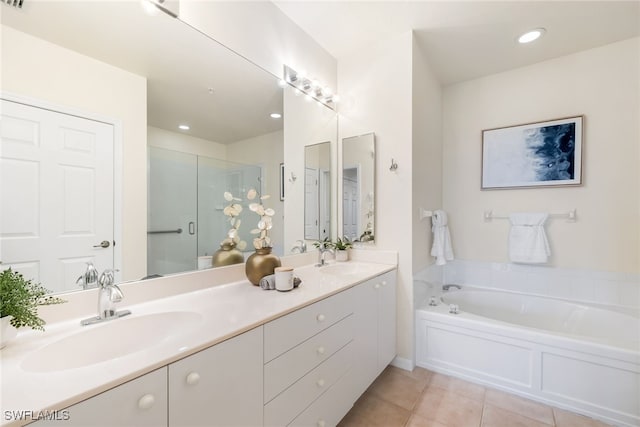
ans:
(427, 399)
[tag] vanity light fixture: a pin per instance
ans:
(275, 115)
(184, 127)
(311, 87)
(532, 35)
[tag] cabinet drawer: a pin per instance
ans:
(331, 407)
(286, 369)
(286, 332)
(284, 408)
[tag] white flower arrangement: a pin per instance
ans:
(233, 211)
(266, 220)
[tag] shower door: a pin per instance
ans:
(172, 203)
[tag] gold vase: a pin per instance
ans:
(261, 263)
(227, 255)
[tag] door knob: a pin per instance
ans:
(103, 244)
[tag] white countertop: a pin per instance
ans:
(226, 311)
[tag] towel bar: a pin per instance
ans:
(570, 216)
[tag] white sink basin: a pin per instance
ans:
(109, 340)
(346, 269)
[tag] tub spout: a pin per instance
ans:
(447, 287)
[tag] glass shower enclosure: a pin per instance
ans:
(185, 207)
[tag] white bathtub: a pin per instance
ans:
(570, 355)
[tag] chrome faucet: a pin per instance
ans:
(89, 278)
(322, 251)
(447, 287)
(300, 247)
(108, 295)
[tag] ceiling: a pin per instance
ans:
(468, 39)
(191, 78)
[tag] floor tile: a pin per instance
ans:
(448, 408)
(418, 373)
(418, 421)
(493, 416)
(372, 411)
(519, 405)
(458, 386)
(399, 389)
(569, 419)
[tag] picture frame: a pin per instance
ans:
(533, 155)
(282, 181)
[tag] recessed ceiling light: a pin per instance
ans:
(184, 127)
(275, 115)
(532, 35)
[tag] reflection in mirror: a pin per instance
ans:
(317, 191)
(358, 187)
(136, 86)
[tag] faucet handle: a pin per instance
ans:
(115, 294)
(106, 278)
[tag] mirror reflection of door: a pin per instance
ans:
(56, 182)
(351, 205)
(317, 191)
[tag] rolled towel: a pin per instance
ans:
(527, 239)
(268, 282)
(441, 248)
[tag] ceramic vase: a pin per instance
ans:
(7, 332)
(261, 263)
(227, 255)
(342, 255)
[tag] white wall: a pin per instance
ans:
(603, 85)
(47, 72)
(273, 39)
(185, 143)
(266, 151)
(427, 155)
(375, 86)
(306, 123)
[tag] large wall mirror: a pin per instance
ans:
(317, 191)
(358, 187)
(109, 71)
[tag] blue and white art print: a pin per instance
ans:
(532, 155)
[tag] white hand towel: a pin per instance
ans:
(527, 239)
(441, 248)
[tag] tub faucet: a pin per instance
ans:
(108, 295)
(447, 287)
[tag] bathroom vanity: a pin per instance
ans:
(233, 355)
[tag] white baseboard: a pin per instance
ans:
(402, 363)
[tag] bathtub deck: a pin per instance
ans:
(427, 399)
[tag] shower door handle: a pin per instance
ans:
(192, 228)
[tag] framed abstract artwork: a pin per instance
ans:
(537, 154)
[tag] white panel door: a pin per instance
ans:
(311, 226)
(325, 204)
(350, 204)
(56, 187)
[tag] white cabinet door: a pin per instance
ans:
(219, 386)
(365, 342)
(56, 186)
(375, 337)
(386, 319)
(140, 402)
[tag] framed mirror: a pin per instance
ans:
(358, 187)
(205, 109)
(317, 194)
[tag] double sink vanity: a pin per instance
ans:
(217, 352)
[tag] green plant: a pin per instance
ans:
(343, 244)
(323, 244)
(20, 298)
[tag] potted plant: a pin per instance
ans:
(342, 247)
(19, 301)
